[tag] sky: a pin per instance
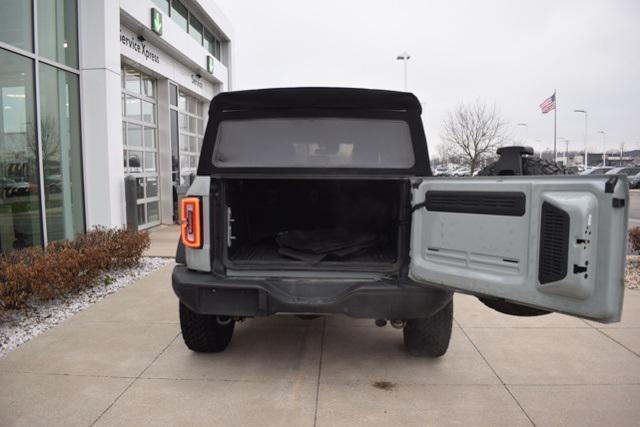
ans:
(513, 54)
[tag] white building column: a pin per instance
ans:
(101, 105)
(165, 181)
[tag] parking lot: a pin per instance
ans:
(123, 361)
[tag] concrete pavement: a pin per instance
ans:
(164, 240)
(123, 362)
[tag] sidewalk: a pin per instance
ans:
(164, 241)
(123, 362)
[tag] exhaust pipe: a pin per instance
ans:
(224, 320)
(381, 323)
(398, 324)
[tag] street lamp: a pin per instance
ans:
(566, 152)
(539, 141)
(604, 147)
(526, 131)
(586, 153)
(404, 56)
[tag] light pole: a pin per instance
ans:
(566, 152)
(586, 153)
(604, 147)
(404, 56)
(526, 131)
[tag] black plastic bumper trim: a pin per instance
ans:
(206, 293)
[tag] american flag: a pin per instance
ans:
(548, 104)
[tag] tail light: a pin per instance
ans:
(191, 219)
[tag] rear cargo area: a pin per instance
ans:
(297, 223)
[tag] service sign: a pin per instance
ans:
(137, 46)
(156, 21)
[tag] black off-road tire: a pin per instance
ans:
(429, 337)
(530, 166)
(203, 333)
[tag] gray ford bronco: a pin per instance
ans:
(319, 201)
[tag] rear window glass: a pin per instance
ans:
(314, 142)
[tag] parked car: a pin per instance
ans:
(11, 188)
(626, 170)
(634, 181)
(462, 171)
(572, 170)
(321, 201)
(600, 170)
(441, 171)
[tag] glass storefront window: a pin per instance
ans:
(147, 112)
(152, 187)
(19, 183)
(139, 138)
(153, 213)
(134, 135)
(195, 29)
(15, 24)
(61, 152)
(52, 138)
(148, 87)
(163, 5)
(190, 125)
(180, 14)
(58, 30)
(132, 80)
(209, 42)
(149, 138)
(218, 50)
(132, 109)
(173, 94)
(182, 101)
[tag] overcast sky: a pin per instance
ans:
(511, 53)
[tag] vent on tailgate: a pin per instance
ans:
(554, 244)
(508, 203)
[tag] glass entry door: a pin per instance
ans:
(139, 128)
(187, 129)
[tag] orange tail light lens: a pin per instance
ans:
(191, 222)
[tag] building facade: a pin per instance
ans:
(93, 91)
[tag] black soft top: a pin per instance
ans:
(333, 98)
(315, 102)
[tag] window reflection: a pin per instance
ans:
(19, 201)
(15, 24)
(57, 30)
(61, 152)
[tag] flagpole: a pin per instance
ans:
(555, 125)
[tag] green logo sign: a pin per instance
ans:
(210, 64)
(156, 21)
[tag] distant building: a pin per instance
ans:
(95, 90)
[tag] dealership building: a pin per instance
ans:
(92, 92)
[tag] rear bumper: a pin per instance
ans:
(206, 293)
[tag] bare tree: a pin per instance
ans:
(50, 140)
(475, 131)
(443, 151)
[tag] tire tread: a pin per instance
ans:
(429, 337)
(202, 333)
